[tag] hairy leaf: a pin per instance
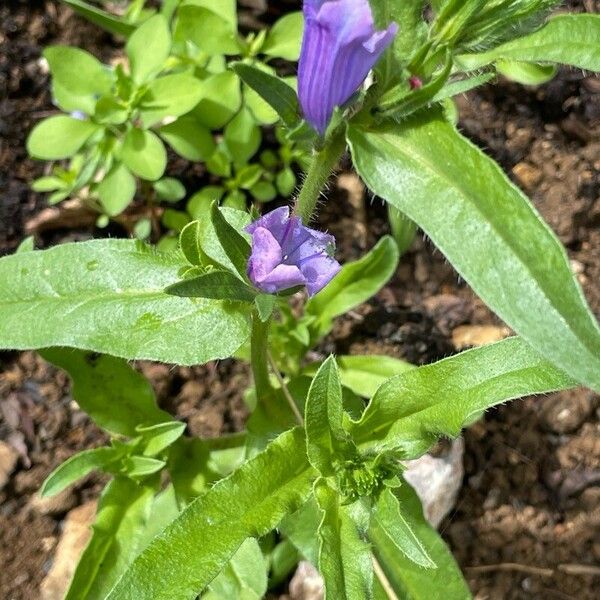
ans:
(108, 296)
(249, 503)
(118, 533)
(410, 411)
(217, 285)
(565, 39)
(345, 560)
(408, 579)
(326, 439)
(276, 92)
(488, 230)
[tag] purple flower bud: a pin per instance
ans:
(340, 47)
(286, 254)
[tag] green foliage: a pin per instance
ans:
(344, 555)
(326, 439)
(175, 89)
(59, 137)
(249, 503)
(394, 550)
(488, 230)
(67, 296)
(245, 576)
(122, 515)
(99, 382)
(77, 467)
(364, 374)
(333, 488)
(411, 411)
(565, 39)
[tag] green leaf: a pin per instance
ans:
(488, 230)
(190, 243)
(170, 96)
(234, 244)
(345, 560)
(221, 101)
(242, 137)
(27, 245)
(210, 242)
(354, 284)
(177, 220)
(301, 529)
(408, 579)
(101, 383)
(217, 285)
(189, 138)
(326, 440)
(276, 92)
(263, 191)
(365, 374)
(108, 296)
(412, 32)
(526, 73)
(403, 229)
(59, 137)
(110, 111)
(159, 437)
(141, 467)
(144, 154)
(148, 48)
(390, 521)
(77, 72)
(209, 31)
(116, 190)
(244, 577)
(249, 503)
(48, 184)
(565, 39)
(227, 9)
(169, 189)
(409, 412)
(284, 38)
(100, 17)
(76, 467)
(454, 88)
(123, 512)
(402, 103)
(265, 304)
(286, 182)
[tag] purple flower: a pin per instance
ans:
(286, 254)
(340, 47)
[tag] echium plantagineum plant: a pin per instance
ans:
(318, 471)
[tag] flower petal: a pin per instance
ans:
(339, 48)
(318, 272)
(266, 255)
(275, 221)
(283, 277)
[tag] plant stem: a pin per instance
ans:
(286, 392)
(385, 584)
(259, 356)
(323, 163)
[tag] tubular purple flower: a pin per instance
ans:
(339, 48)
(286, 254)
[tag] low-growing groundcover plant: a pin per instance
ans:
(318, 471)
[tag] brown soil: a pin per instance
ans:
(527, 520)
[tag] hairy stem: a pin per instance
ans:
(323, 163)
(259, 356)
